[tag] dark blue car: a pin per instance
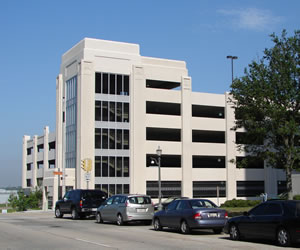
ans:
(275, 220)
(188, 214)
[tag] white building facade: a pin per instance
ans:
(115, 108)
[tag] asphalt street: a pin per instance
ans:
(41, 230)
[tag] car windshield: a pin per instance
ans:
(202, 203)
(139, 200)
(169, 200)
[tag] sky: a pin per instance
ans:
(35, 33)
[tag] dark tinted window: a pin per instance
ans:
(183, 205)
(259, 210)
(273, 209)
(94, 195)
(173, 205)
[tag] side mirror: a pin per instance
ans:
(65, 198)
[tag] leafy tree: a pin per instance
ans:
(267, 105)
(21, 202)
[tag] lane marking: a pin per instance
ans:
(95, 243)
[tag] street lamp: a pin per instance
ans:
(232, 58)
(158, 163)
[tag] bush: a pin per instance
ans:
(296, 197)
(22, 202)
(241, 203)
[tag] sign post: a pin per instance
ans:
(86, 165)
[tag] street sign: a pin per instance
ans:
(87, 176)
(57, 172)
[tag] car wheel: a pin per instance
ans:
(120, 221)
(217, 230)
(74, 214)
(99, 218)
(283, 237)
(234, 232)
(156, 224)
(184, 227)
(58, 213)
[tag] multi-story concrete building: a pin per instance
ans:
(115, 108)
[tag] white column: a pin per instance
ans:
(231, 187)
(34, 160)
(186, 137)
(46, 165)
(85, 122)
(24, 160)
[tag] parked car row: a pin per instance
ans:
(276, 220)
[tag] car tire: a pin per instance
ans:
(99, 218)
(74, 214)
(234, 232)
(218, 230)
(58, 213)
(120, 221)
(156, 224)
(283, 237)
(184, 227)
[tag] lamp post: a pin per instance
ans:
(232, 58)
(158, 163)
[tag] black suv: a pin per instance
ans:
(79, 203)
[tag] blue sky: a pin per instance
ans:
(35, 34)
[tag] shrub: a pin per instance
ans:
(296, 197)
(240, 203)
(21, 202)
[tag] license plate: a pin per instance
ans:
(94, 209)
(213, 215)
(141, 210)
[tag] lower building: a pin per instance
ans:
(115, 108)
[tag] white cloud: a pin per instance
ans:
(251, 18)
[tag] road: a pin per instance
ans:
(40, 230)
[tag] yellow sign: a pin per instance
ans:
(57, 173)
(86, 165)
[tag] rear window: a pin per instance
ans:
(139, 200)
(94, 195)
(201, 203)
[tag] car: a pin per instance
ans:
(274, 219)
(166, 202)
(189, 214)
(125, 208)
(80, 203)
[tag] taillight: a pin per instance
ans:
(126, 203)
(226, 214)
(80, 203)
(197, 216)
(152, 204)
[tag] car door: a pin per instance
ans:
(169, 215)
(64, 204)
(105, 209)
(248, 223)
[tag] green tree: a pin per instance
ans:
(22, 202)
(267, 105)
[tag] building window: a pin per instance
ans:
(40, 148)
(209, 189)
(111, 111)
(163, 108)
(206, 136)
(29, 151)
(113, 84)
(51, 163)
(163, 134)
(51, 145)
(28, 182)
(28, 166)
(111, 166)
(167, 161)
(245, 138)
(113, 189)
(39, 182)
(40, 164)
(71, 122)
(208, 161)
(249, 162)
(112, 138)
(250, 188)
(208, 111)
(157, 84)
(168, 188)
